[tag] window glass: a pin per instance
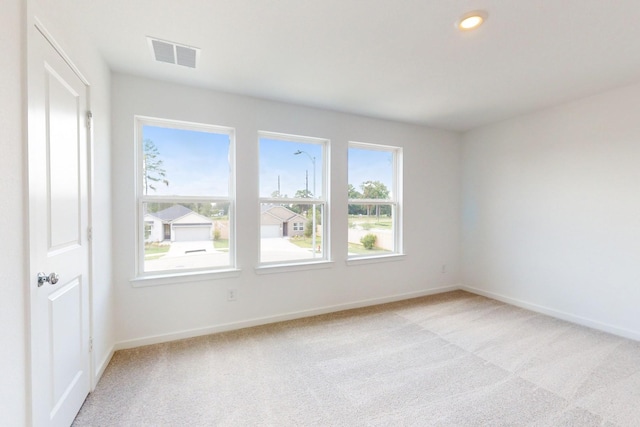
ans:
(374, 205)
(184, 203)
(292, 202)
(185, 162)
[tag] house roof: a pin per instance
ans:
(282, 213)
(176, 212)
(172, 213)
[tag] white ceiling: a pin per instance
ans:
(397, 59)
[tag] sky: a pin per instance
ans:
(277, 159)
(370, 165)
(196, 164)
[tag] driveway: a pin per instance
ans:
(194, 254)
(280, 249)
(194, 247)
(202, 254)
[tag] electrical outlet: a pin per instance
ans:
(232, 294)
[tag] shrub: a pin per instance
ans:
(216, 232)
(308, 229)
(369, 241)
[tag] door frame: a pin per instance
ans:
(35, 28)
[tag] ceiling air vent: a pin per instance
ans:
(173, 53)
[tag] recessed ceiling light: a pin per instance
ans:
(471, 20)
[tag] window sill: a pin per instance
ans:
(177, 278)
(375, 259)
(283, 268)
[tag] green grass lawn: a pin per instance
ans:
(154, 250)
(221, 245)
(361, 250)
(368, 222)
(353, 248)
(306, 242)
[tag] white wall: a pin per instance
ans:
(13, 368)
(551, 211)
(431, 177)
(15, 17)
(61, 20)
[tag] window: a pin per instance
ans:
(374, 200)
(185, 197)
(293, 200)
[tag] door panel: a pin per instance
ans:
(58, 220)
(62, 105)
(66, 332)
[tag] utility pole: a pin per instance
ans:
(313, 213)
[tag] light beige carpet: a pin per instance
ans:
(454, 359)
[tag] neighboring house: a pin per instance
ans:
(177, 224)
(278, 221)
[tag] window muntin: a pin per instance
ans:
(374, 200)
(185, 197)
(292, 199)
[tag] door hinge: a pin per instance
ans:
(89, 119)
(89, 233)
(90, 345)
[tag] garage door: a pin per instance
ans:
(269, 231)
(186, 234)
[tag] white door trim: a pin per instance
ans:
(47, 35)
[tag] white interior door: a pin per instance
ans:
(58, 220)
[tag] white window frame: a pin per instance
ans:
(323, 201)
(395, 200)
(142, 278)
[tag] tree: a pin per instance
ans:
(157, 207)
(302, 194)
(374, 190)
(277, 195)
(355, 194)
(204, 209)
(154, 171)
(308, 226)
(220, 209)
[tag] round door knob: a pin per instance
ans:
(53, 278)
(44, 278)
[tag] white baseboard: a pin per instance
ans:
(594, 324)
(161, 338)
(102, 366)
